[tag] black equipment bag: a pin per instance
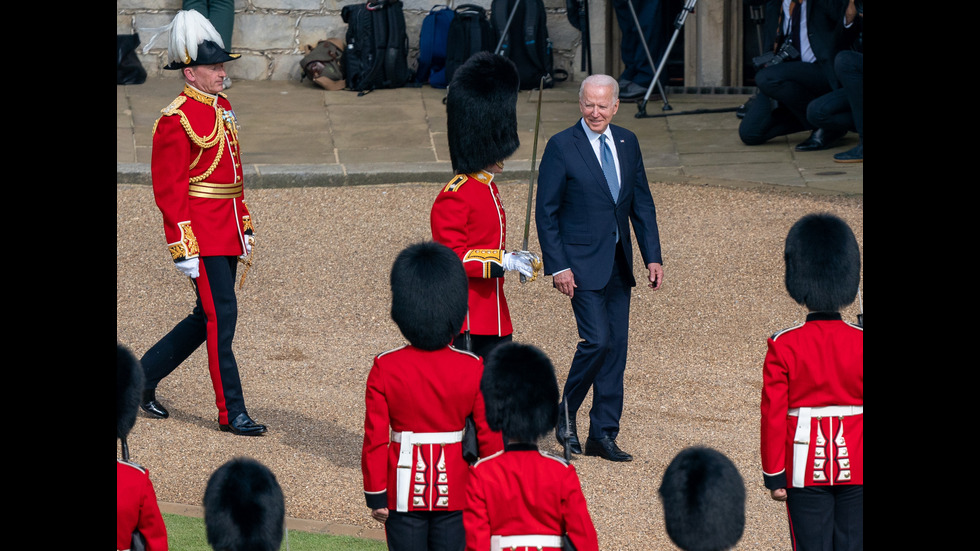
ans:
(470, 32)
(527, 43)
(433, 39)
(377, 46)
(129, 70)
(574, 9)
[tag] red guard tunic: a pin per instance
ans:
(137, 508)
(197, 177)
(814, 370)
(525, 492)
(467, 217)
(423, 396)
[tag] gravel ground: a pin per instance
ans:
(314, 311)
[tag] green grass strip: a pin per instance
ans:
(188, 534)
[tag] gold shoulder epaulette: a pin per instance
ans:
(456, 183)
(172, 109)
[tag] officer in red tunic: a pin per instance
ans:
(813, 393)
(137, 512)
(522, 498)
(197, 183)
(467, 215)
(418, 398)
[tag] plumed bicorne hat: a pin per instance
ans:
(823, 262)
(428, 294)
(244, 508)
(193, 41)
(520, 391)
(481, 112)
(129, 389)
(703, 498)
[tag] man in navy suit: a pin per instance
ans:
(583, 214)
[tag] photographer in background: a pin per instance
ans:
(799, 70)
(843, 109)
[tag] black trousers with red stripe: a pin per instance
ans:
(213, 322)
(425, 531)
(826, 518)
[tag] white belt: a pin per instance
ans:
(408, 441)
(801, 440)
(417, 438)
(499, 543)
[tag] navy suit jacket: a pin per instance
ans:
(576, 217)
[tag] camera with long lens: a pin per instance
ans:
(786, 52)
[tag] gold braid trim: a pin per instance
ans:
(247, 261)
(196, 94)
(215, 137)
(489, 258)
(217, 158)
(187, 246)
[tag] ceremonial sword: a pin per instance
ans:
(530, 189)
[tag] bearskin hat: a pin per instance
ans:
(520, 391)
(244, 508)
(823, 263)
(703, 498)
(193, 41)
(429, 294)
(129, 390)
(481, 112)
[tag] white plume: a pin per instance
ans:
(188, 29)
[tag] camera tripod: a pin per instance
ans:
(678, 25)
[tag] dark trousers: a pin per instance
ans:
(481, 345)
(849, 66)
(650, 14)
(842, 109)
(213, 322)
(826, 518)
(425, 531)
(602, 317)
(793, 85)
(221, 14)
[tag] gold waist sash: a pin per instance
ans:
(208, 190)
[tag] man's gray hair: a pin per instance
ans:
(599, 80)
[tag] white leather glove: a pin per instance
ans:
(189, 266)
(520, 261)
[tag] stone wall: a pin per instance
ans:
(271, 34)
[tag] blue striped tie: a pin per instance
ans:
(609, 167)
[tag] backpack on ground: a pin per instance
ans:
(432, 46)
(377, 46)
(527, 43)
(323, 64)
(469, 32)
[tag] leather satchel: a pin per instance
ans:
(322, 64)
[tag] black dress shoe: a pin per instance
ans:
(854, 155)
(570, 433)
(150, 405)
(243, 425)
(820, 139)
(606, 447)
